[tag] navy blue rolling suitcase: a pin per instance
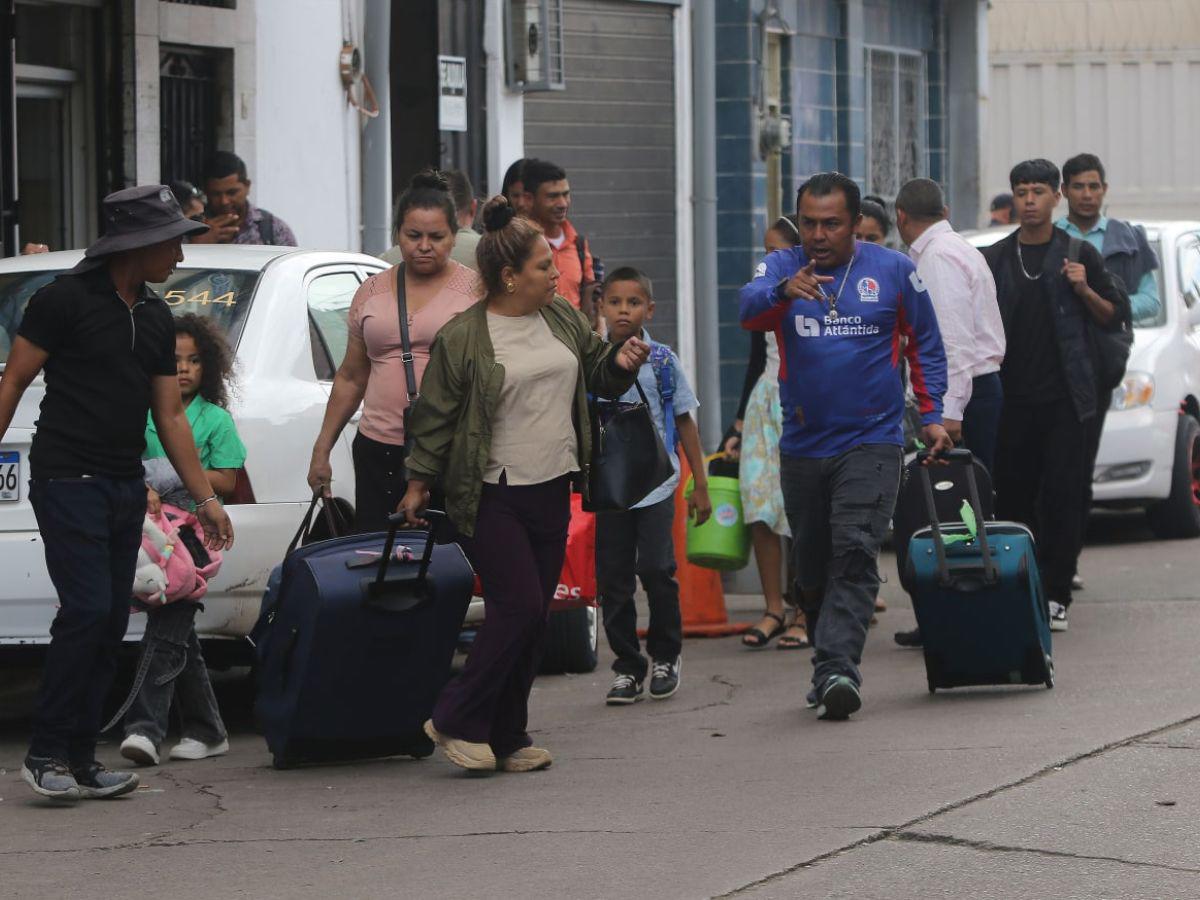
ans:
(357, 645)
(978, 598)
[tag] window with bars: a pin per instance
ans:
(895, 117)
(188, 98)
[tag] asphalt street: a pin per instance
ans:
(730, 789)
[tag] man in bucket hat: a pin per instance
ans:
(106, 345)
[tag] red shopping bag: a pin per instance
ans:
(577, 584)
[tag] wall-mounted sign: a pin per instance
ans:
(452, 93)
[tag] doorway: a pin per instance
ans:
(43, 177)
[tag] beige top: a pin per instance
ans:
(533, 436)
(375, 319)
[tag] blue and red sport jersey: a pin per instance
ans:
(839, 378)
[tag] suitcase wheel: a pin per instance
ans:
(1049, 673)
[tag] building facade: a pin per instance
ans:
(882, 90)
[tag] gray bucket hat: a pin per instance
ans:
(141, 216)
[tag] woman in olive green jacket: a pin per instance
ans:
(502, 426)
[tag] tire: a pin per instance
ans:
(572, 641)
(1179, 515)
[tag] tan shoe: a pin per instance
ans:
(476, 757)
(527, 759)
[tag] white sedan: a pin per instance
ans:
(1150, 449)
(284, 313)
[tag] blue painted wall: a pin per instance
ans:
(825, 95)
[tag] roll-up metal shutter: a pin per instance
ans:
(613, 130)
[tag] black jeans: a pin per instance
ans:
(1095, 430)
(838, 508)
(1042, 464)
(638, 543)
(379, 482)
(91, 529)
(172, 668)
(517, 550)
(981, 418)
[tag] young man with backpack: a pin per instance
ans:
(639, 541)
(1057, 302)
(1127, 255)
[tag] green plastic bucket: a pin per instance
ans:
(723, 542)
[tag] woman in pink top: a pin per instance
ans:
(372, 373)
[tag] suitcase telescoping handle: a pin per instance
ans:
(957, 457)
(397, 521)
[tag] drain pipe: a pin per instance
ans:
(377, 134)
(704, 218)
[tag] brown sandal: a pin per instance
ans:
(756, 638)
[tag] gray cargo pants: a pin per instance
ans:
(838, 509)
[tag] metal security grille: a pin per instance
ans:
(613, 130)
(188, 91)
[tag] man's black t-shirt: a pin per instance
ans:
(1032, 370)
(103, 357)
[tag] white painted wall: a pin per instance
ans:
(306, 162)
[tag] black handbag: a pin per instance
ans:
(406, 354)
(628, 457)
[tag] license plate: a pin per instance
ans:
(10, 476)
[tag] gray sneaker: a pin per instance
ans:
(50, 778)
(98, 783)
(839, 699)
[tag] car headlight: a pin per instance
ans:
(1136, 389)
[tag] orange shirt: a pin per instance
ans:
(571, 277)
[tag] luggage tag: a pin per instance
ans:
(369, 559)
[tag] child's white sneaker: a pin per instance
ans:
(190, 748)
(140, 749)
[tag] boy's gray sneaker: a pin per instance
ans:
(98, 783)
(625, 690)
(839, 699)
(51, 778)
(664, 678)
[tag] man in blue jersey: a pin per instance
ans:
(844, 313)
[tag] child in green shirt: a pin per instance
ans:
(172, 666)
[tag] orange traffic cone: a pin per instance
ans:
(701, 595)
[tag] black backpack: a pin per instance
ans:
(1110, 345)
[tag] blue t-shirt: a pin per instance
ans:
(685, 402)
(839, 376)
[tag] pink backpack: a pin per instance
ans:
(173, 563)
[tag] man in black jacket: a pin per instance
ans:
(1048, 304)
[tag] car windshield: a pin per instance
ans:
(222, 295)
(1160, 316)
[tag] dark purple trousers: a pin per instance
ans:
(517, 551)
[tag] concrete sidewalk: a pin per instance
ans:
(729, 789)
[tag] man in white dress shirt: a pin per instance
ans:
(964, 296)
